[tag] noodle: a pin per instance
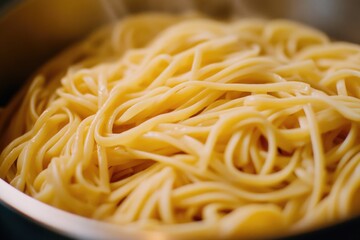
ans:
(194, 127)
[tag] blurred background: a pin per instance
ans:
(32, 31)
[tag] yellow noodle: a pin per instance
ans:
(191, 126)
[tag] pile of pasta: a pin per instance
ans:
(194, 127)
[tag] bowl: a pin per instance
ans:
(33, 31)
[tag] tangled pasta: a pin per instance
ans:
(194, 127)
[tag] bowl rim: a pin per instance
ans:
(77, 227)
(62, 222)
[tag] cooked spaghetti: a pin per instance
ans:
(194, 127)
